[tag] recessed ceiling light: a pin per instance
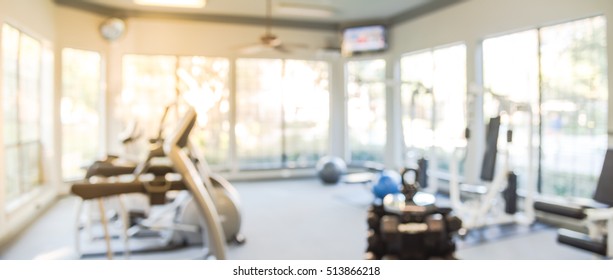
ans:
(301, 9)
(173, 3)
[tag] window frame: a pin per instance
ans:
(283, 162)
(101, 106)
(24, 192)
(346, 97)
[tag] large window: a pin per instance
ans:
(366, 110)
(572, 95)
(282, 112)
(574, 105)
(80, 110)
(22, 62)
(434, 103)
(149, 87)
(305, 112)
(153, 83)
(204, 81)
(281, 106)
(259, 113)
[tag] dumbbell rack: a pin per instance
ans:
(409, 225)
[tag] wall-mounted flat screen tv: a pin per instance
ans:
(364, 39)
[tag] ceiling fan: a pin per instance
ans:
(270, 41)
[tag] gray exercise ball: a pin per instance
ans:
(330, 169)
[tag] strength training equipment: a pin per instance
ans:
(389, 183)
(594, 216)
(409, 225)
(494, 199)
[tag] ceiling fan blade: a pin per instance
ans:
(269, 41)
(292, 47)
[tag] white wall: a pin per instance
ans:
(474, 20)
(36, 18)
(32, 16)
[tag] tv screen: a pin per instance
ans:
(364, 39)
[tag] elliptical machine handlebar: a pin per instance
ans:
(174, 148)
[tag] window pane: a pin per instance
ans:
(149, 86)
(306, 112)
(433, 101)
(10, 58)
(259, 116)
(80, 110)
(11, 173)
(366, 110)
(449, 89)
(574, 106)
(29, 88)
(21, 94)
(510, 67)
(31, 169)
(510, 70)
(205, 80)
(417, 103)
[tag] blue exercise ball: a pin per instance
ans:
(330, 169)
(389, 182)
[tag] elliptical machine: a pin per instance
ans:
(409, 226)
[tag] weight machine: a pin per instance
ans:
(493, 200)
(421, 160)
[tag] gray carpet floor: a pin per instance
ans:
(294, 220)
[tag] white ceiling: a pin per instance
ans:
(346, 11)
